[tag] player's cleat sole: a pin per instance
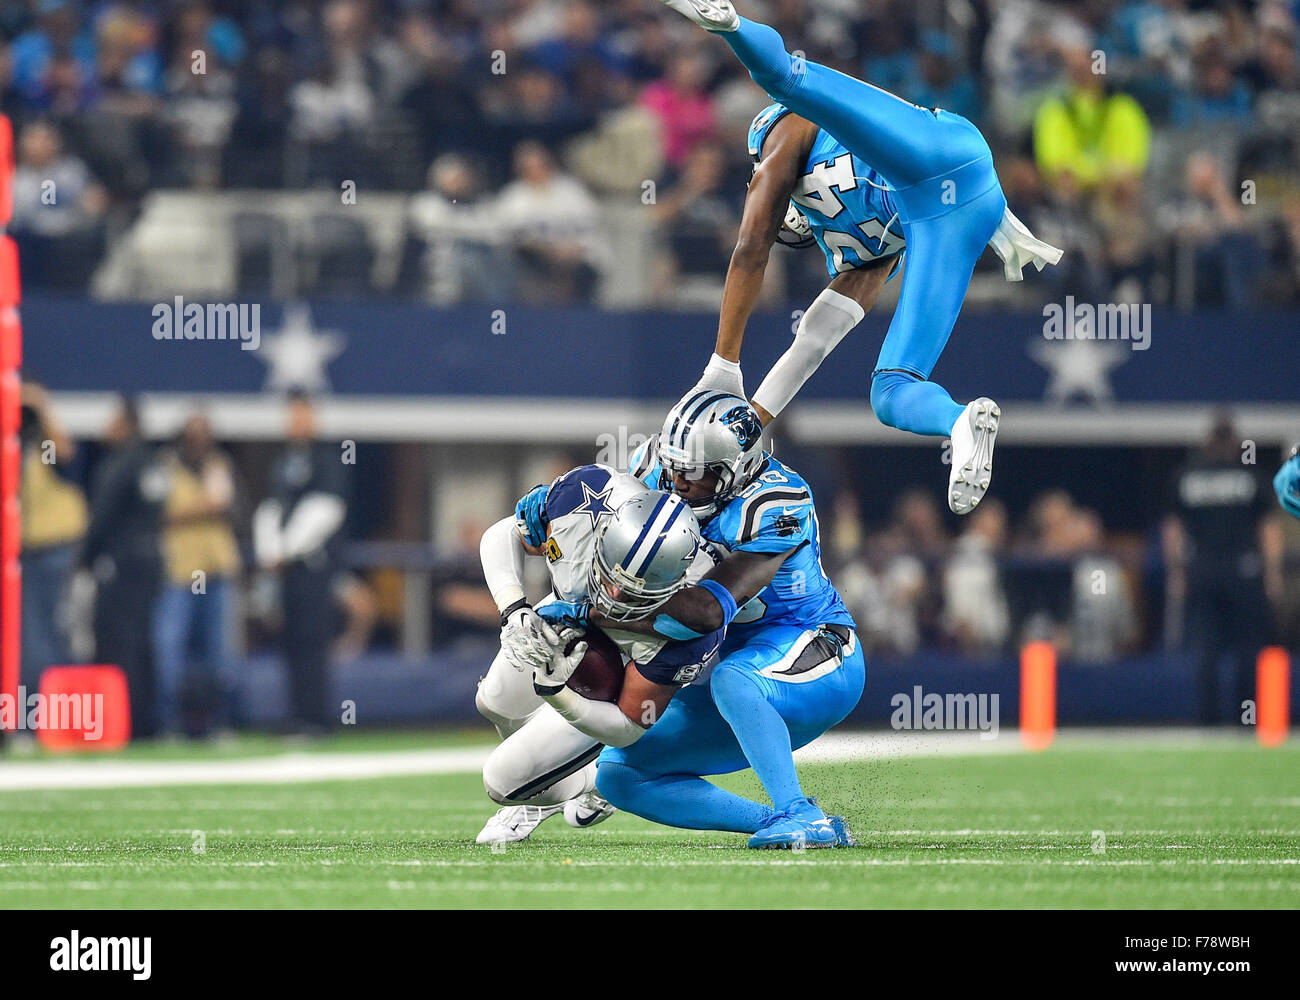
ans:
(513, 824)
(586, 810)
(714, 15)
(973, 437)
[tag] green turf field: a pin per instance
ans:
(1191, 824)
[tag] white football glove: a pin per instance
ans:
(526, 639)
(722, 376)
(551, 676)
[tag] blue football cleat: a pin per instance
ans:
(803, 825)
(843, 835)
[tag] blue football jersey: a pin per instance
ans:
(774, 513)
(848, 205)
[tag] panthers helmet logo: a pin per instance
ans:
(743, 422)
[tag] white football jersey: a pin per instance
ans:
(575, 504)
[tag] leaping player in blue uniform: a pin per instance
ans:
(867, 175)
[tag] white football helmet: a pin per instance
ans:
(643, 552)
(796, 230)
(711, 432)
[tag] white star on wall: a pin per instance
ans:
(297, 355)
(1078, 367)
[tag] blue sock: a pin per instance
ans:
(681, 800)
(761, 733)
(910, 404)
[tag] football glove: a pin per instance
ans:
(1286, 484)
(526, 640)
(550, 677)
(720, 375)
(530, 515)
(567, 614)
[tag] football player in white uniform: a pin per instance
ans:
(544, 765)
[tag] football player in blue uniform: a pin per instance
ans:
(866, 175)
(789, 668)
(1286, 484)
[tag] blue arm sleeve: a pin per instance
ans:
(670, 628)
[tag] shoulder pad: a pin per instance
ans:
(779, 511)
(586, 489)
(644, 459)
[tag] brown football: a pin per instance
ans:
(600, 674)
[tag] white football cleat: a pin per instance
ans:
(715, 15)
(587, 809)
(512, 824)
(972, 454)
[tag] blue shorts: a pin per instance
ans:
(693, 737)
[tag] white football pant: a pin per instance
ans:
(542, 760)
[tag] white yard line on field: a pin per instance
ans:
(280, 769)
(299, 767)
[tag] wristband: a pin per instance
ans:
(507, 612)
(724, 598)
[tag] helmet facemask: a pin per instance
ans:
(635, 597)
(675, 462)
(710, 433)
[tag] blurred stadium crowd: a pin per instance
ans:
(1155, 140)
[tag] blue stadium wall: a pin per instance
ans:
(389, 690)
(411, 350)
